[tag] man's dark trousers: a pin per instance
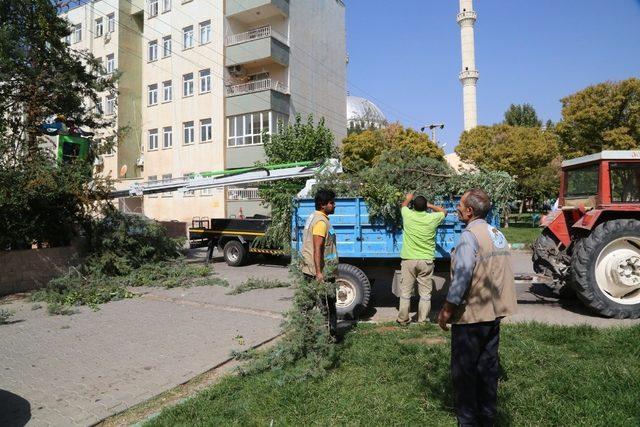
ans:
(327, 305)
(475, 368)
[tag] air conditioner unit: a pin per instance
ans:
(107, 37)
(98, 161)
(236, 70)
(140, 161)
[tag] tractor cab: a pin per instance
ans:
(603, 180)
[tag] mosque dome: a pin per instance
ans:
(364, 112)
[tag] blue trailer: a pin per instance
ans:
(360, 240)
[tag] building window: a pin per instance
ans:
(167, 91)
(205, 32)
(166, 5)
(77, 33)
(166, 46)
(153, 50)
(153, 94)
(205, 81)
(111, 23)
(152, 179)
(110, 105)
(153, 8)
(67, 39)
(189, 132)
(206, 130)
(186, 177)
(247, 129)
(99, 28)
(153, 139)
(167, 178)
(167, 137)
(187, 37)
(111, 63)
(187, 84)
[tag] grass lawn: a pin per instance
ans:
(393, 376)
(526, 235)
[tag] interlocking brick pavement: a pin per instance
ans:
(79, 369)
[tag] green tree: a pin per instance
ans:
(522, 115)
(42, 77)
(605, 116)
(528, 154)
(362, 150)
(296, 142)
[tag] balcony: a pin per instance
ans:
(259, 95)
(256, 47)
(257, 86)
(250, 11)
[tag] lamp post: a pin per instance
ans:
(432, 127)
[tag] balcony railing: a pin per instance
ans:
(258, 33)
(243, 194)
(257, 86)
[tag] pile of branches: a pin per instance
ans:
(398, 172)
(306, 349)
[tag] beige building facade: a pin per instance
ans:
(201, 80)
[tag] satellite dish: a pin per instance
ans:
(123, 171)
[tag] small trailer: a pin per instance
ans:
(233, 237)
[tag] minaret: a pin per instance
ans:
(469, 75)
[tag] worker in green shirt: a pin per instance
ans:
(418, 252)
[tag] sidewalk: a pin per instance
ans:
(79, 369)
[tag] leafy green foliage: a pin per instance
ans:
(127, 251)
(399, 172)
(605, 116)
(122, 243)
(529, 154)
(82, 287)
(74, 289)
(41, 78)
(552, 376)
(296, 142)
(522, 115)
(258, 283)
(306, 349)
(362, 150)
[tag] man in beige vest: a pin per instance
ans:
(320, 253)
(482, 292)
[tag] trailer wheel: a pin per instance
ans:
(606, 269)
(353, 291)
(235, 254)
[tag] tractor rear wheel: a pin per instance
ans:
(606, 269)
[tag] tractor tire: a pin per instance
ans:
(544, 246)
(606, 269)
(235, 253)
(353, 291)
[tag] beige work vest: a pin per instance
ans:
(330, 247)
(492, 293)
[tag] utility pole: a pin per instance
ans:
(432, 127)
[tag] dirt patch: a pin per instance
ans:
(424, 341)
(14, 297)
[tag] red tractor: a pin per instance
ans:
(591, 243)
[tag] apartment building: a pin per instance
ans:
(203, 79)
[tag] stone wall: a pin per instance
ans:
(30, 269)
